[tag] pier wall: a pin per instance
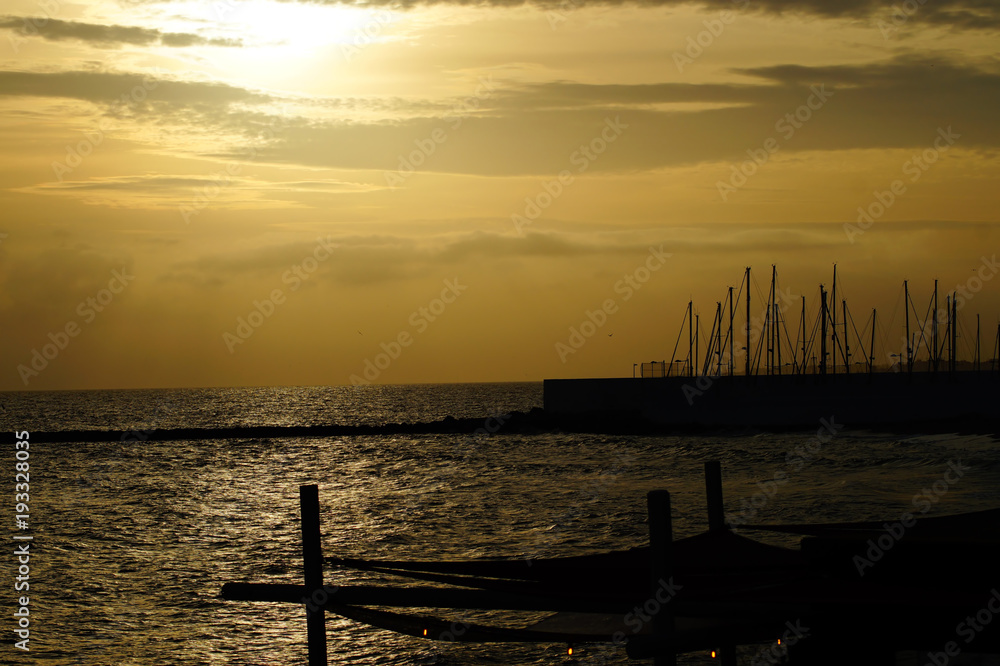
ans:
(779, 400)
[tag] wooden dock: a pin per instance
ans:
(711, 592)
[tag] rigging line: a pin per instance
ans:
(673, 354)
(760, 295)
(859, 336)
(886, 328)
(812, 339)
(729, 305)
(755, 363)
(967, 340)
(706, 366)
(738, 299)
(900, 355)
(815, 329)
(783, 322)
(838, 340)
(923, 336)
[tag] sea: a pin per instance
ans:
(133, 538)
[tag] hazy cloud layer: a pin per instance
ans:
(968, 14)
(105, 35)
(530, 129)
(109, 87)
(543, 128)
(390, 258)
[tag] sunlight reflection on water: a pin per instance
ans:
(134, 540)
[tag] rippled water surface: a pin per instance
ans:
(133, 540)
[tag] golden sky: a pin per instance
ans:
(229, 192)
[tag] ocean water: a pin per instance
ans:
(134, 539)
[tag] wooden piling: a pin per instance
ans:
(661, 569)
(713, 495)
(312, 561)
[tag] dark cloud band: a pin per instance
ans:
(105, 35)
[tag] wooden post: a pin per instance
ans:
(312, 564)
(660, 567)
(717, 523)
(713, 494)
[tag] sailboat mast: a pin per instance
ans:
(934, 331)
(690, 319)
(803, 335)
(732, 341)
(833, 304)
(697, 334)
(823, 315)
(996, 351)
(978, 341)
(718, 339)
(777, 336)
(748, 322)
(954, 332)
(871, 351)
(847, 345)
(909, 349)
(948, 340)
(771, 328)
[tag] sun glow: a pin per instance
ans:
(304, 27)
(283, 46)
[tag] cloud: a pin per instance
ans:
(542, 129)
(380, 258)
(56, 278)
(963, 14)
(166, 192)
(109, 87)
(160, 183)
(106, 35)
